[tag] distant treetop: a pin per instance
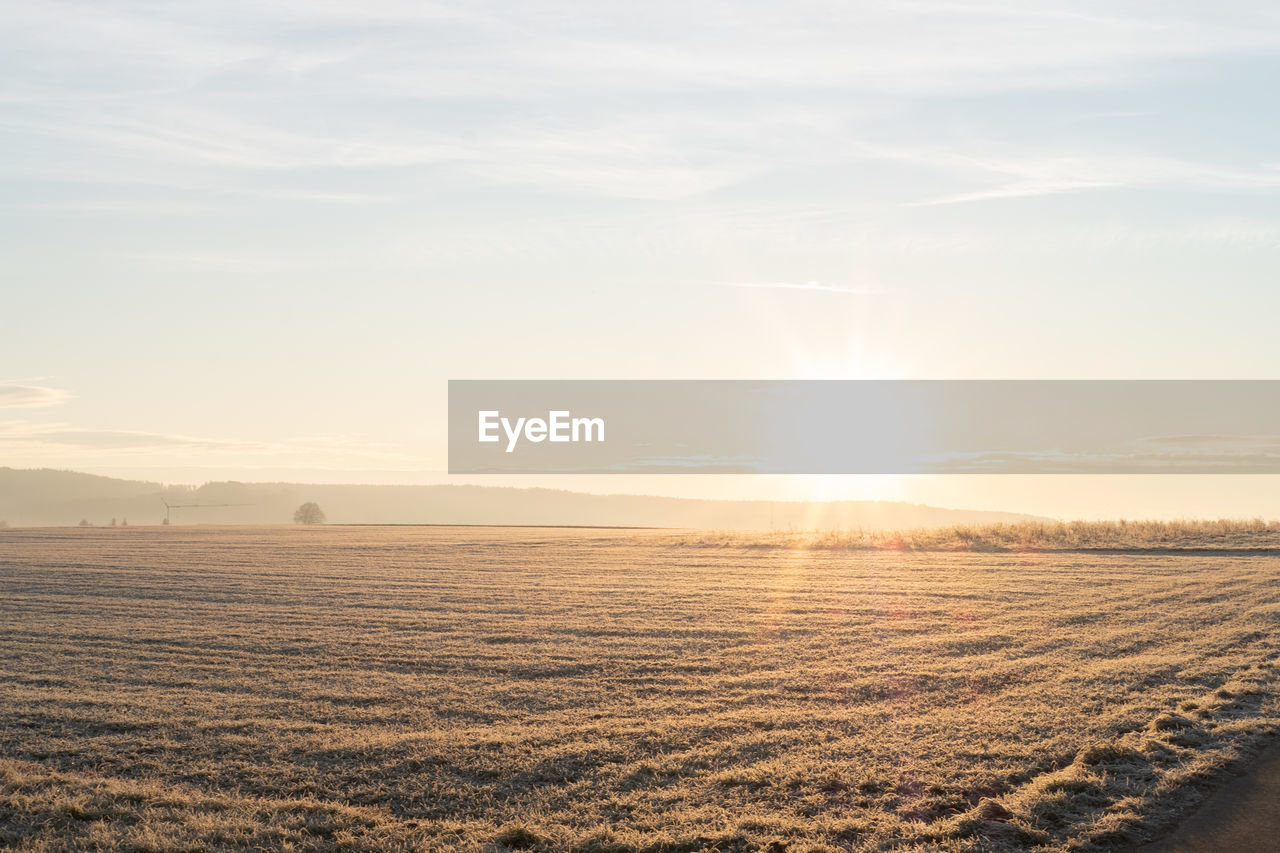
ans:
(309, 513)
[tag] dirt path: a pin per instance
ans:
(1243, 816)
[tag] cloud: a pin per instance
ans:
(674, 154)
(1027, 190)
(856, 290)
(77, 445)
(21, 433)
(1221, 443)
(205, 94)
(195, 262)
(1023, 171)
(1210, 460)
(497, 50)
(16, 396)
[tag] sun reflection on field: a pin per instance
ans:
(600, 690)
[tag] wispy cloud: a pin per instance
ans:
(23, 434)
(1026, 171)
(853, 289)
(495, 49)
(14, 395)
(74, 443)
(1018, 190)
(523, 97)
(194, 262)
(674, 155)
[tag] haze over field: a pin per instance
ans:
(44, 497)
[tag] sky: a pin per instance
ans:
(255, 240)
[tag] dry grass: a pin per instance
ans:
(1128, 536)
(435, 689)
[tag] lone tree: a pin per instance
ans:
(309, 513)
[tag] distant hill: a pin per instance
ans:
(48, 497)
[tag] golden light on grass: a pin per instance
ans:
(477, 689)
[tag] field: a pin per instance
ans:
(481, 689)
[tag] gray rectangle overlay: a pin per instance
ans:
(864, 427)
